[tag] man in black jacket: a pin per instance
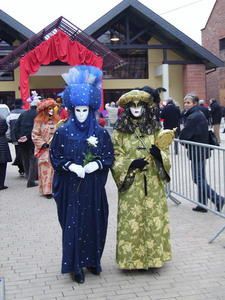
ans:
(216, 116)
(11, 122)
(23, 129)
(196, 130)
(171, 116)
(5, 155)
(204, 109)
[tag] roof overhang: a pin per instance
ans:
(19, 28)
(161, 26)
(110, 59)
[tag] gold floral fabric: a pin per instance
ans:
(143, 238)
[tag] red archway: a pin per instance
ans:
(60, 47)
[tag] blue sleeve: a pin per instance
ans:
(57, 152)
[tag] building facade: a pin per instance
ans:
(156, 54)
(213, 38)
(12, 34)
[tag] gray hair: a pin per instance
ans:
(194, 98)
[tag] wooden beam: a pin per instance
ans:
(141, 46)
(138, 35)
(182, 62)
(127, 30)
(164, 54)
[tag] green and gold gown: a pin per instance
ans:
(143, 236)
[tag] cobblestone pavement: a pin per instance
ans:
(30, 254)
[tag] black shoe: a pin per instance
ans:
(93, 270)
(79, 277)
(3, 188)
(31, 184)
(219, 206)
(200, 209)
(21, 173)
(48, 196)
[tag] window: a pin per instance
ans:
(5, 49)
(113, 95)
(7, 98)
(6, 76)
(136, 67)
(222, 44)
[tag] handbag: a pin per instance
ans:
(212, 139)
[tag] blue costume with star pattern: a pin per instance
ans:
(81, 203)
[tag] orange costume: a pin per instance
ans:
(43, 131)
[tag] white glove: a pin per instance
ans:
(91, 167)
(78, 169)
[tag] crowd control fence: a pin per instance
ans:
(198, 175)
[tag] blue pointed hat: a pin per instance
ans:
(84, 87)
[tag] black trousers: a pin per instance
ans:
(2, 173)
(18, 159)
(205, 192)
(29, 161)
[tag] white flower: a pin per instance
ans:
(92, 141)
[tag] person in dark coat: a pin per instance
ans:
(216, 116)
(223, 111)
(171, 116)
(23, 129)
(196, 130)
(11, 121)
(5, 155)
(81, 153)
(204, 109)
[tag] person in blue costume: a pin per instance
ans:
(81, 153)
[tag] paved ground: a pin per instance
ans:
(30, 254)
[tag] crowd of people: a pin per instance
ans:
(30, 131)
(70, 153)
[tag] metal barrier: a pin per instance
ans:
(2, 288)
(198, 175)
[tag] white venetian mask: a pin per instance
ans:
(81, 113)
(136, 111)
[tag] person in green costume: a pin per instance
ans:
(140, 170)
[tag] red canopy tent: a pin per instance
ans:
(60, 40)
(57, 47)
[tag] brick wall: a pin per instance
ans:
(194, 80)
(211, 34)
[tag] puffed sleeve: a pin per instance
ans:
(120, 169)
(37, 137)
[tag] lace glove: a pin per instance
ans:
(155, 152)
(91, 167)
(139, 163)
(45, 146)
(78, 169)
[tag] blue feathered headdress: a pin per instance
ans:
(84, 87)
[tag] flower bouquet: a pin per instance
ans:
(89, 156)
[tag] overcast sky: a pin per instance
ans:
(189, 16)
